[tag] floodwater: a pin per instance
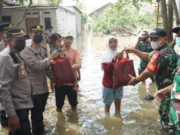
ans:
(137, 116)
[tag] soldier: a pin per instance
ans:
(35, 58)
(143, 45)
(3, 28)
(3, 44)
(15, 85)
(162, 64)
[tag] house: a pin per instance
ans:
(41, 12)
(78, 14)
(99, 12)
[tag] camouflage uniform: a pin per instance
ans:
(174, 113)
(144, 47)
(162, 64)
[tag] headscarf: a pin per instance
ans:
(109, 54)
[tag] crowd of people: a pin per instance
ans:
(158, 62)
(26, 60)
(23, 77)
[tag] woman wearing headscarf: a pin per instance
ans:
(110, 95)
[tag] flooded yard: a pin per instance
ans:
(137, 117)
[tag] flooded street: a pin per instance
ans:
(138, 116)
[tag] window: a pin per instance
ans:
(47, 23)
(6, 19)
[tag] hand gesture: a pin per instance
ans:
(129, 50)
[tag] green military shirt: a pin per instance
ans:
(144, 47)
(162, 64)
(175, 93)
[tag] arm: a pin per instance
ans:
(77, 64)
(107, 67)
(161, 93)
(137, 44)
(142, 55)
(7, 72)
(31, 60)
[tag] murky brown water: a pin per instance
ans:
(138, 117)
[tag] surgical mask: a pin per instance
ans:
(38, 39)
(20, 45)
(155, 45)
(178, 41)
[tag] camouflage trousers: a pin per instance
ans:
(164, 112)
(174, 115)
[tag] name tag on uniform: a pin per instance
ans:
(21, 71)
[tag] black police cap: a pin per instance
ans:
(6, 26)
(36, 28)
(158, 32)
(15, 32)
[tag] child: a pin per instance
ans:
(57, 44)
(110, 95)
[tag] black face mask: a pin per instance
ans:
(20, 45)
(38, 39)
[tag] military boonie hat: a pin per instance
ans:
(6, 26)
(68, 34)
(36, 28)
(158, 32)
(15, 32)
(176, 29)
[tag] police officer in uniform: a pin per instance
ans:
(3, 28)
(3, 44)
(36, 60)
(15, 85)
(162, 62)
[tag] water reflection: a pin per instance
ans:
(138, 116)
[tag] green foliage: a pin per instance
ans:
(84, 18)
(113, 18)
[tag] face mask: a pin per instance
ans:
(38, 39)
(20, 45)
(155, 45)
(178, 41)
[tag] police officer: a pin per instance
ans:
(162, 62)
(35, 58)
(3, 28)
(15, 85)
(3, 44)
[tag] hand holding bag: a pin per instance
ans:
(123, 67)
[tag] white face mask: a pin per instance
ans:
(155, 45)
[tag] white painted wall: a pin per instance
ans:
(66, 21)
(61, 19)
(78, 20)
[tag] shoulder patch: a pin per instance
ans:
(152, 65)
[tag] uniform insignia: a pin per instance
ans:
(21, 31)
(10, 25)
(22, 72)
(38, 27)
(152, 65)
(22, 66)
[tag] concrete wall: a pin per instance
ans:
(66, 21)
(62, 19)
(78, 20)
